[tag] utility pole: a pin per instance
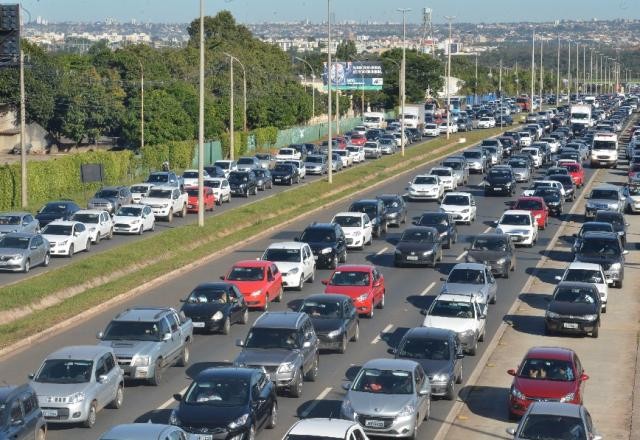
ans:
(201, 123)
(141, 104)
(533, 69)
(517, 80)
(233, 59)
(23, 132)
(591, 69)
(569, 74)
(232, 146)
(313, 87)
(337, 110)
(330, 146)
(577, 70)
(541, 71)
(475, 88)
(500, 92)
(404, 76)
(450, 19)
(558, 75)
(584, 69)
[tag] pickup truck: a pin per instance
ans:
(165, 178)
(146, 340)
(165, 201)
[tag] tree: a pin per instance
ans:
(346, 51)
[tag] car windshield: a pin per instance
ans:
(245, 161)
(129, 211)
(160, 193)
(472, 154)
(547, 369)
(263, 156)
(348, 221)
(456, 200)
(547, 193)
(9, 219)
(593, 226)
(422, 348)
(350, 278)
(65, 371)
(515, 219)
(440, 172)
(9, 242)
(190, 174)
(193, 192)
(270, 338)
(603, 145)
(132, 331)
(286, 152)
(86, 217)
(296, 164)
(238, 177)
(466, 276)
(158, 178)
(246, 274)
(547, 427)
(54, 208)
(223, 165)
(107, 193)
(226, 392)
(425, 180)
(318, 235)
(452, 309)
(489, 244)
(139, 189)
(283, 168)
(371, 380)
(212, 183)
(598, 246)
(282, 255)
(314, 159)
(604, 194)
(57, 229)
(528, 205)
(584, 276)
(517, 164)
(576, 295)
(206, 295)
(433, 220)
(324, 309)
(453, 165)
(415, 235)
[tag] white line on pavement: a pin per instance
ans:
(461, 256)
(379, 337)
(172, 400)
(427, 289)
(313, 404)
(382, 251)
(487, 230)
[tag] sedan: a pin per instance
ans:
(364, 284)
(396, 208)
(18, 222)
(285, 174)
(471, 279)
(67, 237)
(265, 181)
(59, 210)
(555, 420)
(574, 308)
(260, 282)
(19, 252)
(233, 403)
(334, 319)
(576, 172)
(388, 397)
(552, 198)
(426, 187)
(215, 306)
(495, 251)
(443, 223)
(420, 245)
(134, 219)
(520, 169)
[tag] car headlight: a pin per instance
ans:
(590, 317)
(256, 293)
(326, 250)
(517, 394)
(239, 422)
(501, 261)
(465, 210)
(135, 222)
(568, 398)
(398, 252)
(173, 418)
(552, 315)
(467, 333)
(293, 271)
(76, 398)
(442, 377)
(16, 257)
(334, 334)
(616, 266)
(63, 242)
(407, 410)
(363, 297)
(141, 361)
(429, 252)
(286, 367)
(217, 316)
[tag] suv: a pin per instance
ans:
(605, 197)
(74, 383)
(23, 417)
(377, 212)
(165, 178)
(604, 248)
(500, 180)
(286, 346)
(146, 340)
(243, 183)
(328, 243)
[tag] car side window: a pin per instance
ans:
(576, 361)
(164, 327)
(308, 330)
(101, 368)
(109, 362)
(173, 322)
(15, 413)
(419, 378)
(270, 276)
(588, 421)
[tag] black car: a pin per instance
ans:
(443, 223)
(265, 181)
(567, 183)
(420, 245)
(243, 183)
(285, 173)
(59, 210)
(440, 354)
(496, 251)
(616, 220)
(21, 416)
(508, 145)
(300, 148)
(227, 403)
(415, 134)
(215, 306)
(334, 319)
(589, 227)
(552, 198)
(327, 242)
(465, 124)
(377, 212)
(500, 180)
(605, 249)
(215, 171)
(396, 208)
(574, 308)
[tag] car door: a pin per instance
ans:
(236, 299)
(457, 354)
(172, 344)
(478, 317)
(308, 261)
(104, 224)
(377, 282)
(102, 390)
(147, 217)
(113, 372)
(37, 250)
(77, 238)
(349, 316)
(473, 206)
(260, 402)
(492, 286)
(579, 373)
(420, 381)
(309, 353)
(31, 413)
(367, 228)
(29, 224)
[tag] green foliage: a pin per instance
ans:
(346, 50)
(265, 136)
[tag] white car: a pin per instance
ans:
(525, 138)
(357, 228)
(294, 260)
(345, 157)
(360, 129)
(372, 149)
(554, 144)
(461, 206)
(447, 176)
(134, 219)
(139, 191)
(190, 177)
(588, 273)
(462, 314)
(67, 237)
(97, 221)
(326, 429)
(288, 154)
(426, 187)
(299, 164)
(542, 184)
(486, 122)
(221, 189)
(227, 166)
(431, 130)
(535, 154)
(632, 194)
(520, 225)
(356, 152)
(452, 127)
(399, 137)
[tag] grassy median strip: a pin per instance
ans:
(147, 259)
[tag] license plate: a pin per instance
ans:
(516, 238)
(190, 206)
(198, 324)
(50, 412)
(497, 188)
(412, 258)
(204, 437)
(374, 423)
(277, 180)
(570, 325)
(315, 257)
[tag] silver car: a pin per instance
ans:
(520, 170)
(389, 398)
(18, 222)
(76, 382)
(19, 252)
(555, 420)
(146, 431)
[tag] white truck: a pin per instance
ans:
(413, 115)
(581, 115)
(374, 120)
(166, 201)
(604, 150)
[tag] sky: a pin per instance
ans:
(256, 11)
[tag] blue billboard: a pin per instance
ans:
(354, 75)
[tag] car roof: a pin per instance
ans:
(493, 235)
(135, 431)
(429, 333)
(391, 364)
(473, 266)
(132, 205)
(330, 428)
(458, 193)
(20, 235)
(279, 319)
(165, 187)
(89, 211)
(15, 213)
(516, 212)
(599, 234)
(585, 266)
(323, 297)
(576, 284)
(350, 214)
(64, 222)
(287, 245)
(606, 213)
(536, 198)
(217, 372)
(252, 263)
(365, 201)
(143, 314)
(558, 353)
(454, 297)
(355, 267)
(215, 285)
(316, 225)
(607, 186)
(556, 409)
(88, 352)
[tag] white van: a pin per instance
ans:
(374, 120)
(604, 150)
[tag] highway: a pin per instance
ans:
(408, 291)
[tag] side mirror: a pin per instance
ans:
(584, 377)
(597, 437)
(483, 316)
(625, 252)
(423, 312)
(443, 278)
(99, 335)
(346, 386)
(103, 378)
(306, 344)
(511, 372)
(296, 239)
(166, 336)
(392, 351)
(423, 392)
(325, 282)
(575, 235)
(239, 343)
(222, 277)
(558, 278)
(177, 397)
(31, 376)
(459, 355)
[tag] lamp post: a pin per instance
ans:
(330, 146)
(569, 72)
(475, 86)
(558, 75)
(313, 87)
(399, 78)
(449, 19)
(244, 89)
(404, 75)
(201, 123)
(533, 69)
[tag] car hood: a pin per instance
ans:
(458, 325)
(10, 228)
(270, 357)
(481, 256)
(602, 202)
(13, 251)
(454, 208)
(463, 289)
(195, 309)
(432, 367)
(326, 325)
(408, 247)
(573, 309)
(246, 287)
(57, 389)
(46, 217)
(378, 404)
(277, 173)
(423, 187)
(520, 170)
(498, 180)
(596, 258)
(54, 238)
(512, 228)
(129, 348)
(102, 200)
(156, 201)
(352, 291)
(284, 266)
(209, 416)
(125, 219)
(350, 230)
(546, 389)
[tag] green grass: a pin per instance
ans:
(174, 248)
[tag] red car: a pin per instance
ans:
(358, 139)
(363, 283)
(576, 172)
(634, 172)
(537, 206)
(192, 203)
(260, 282)
(342, 142)
(546, 373)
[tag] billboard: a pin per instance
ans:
(354, 75)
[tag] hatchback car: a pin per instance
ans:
(67, 237)
(426, 187)
(364, 284)
(573, 308)
(604, 248)
(20, 252)
(334, 319)
(18, 222)
(110, 198)
(265, 180)
(588, 273)
(295, 262)
(520, 225)
(193, 197)
(495, 251)
(329, 429)
(357, 228)
(260, 282)
(134, 219)
(328, 243)
(419, 245)
(536, 206)
(60, 210)
(605, 197)
(589, 227)
(221, 189)
(616, 220)
(147, 431)
(552, 198)
(555, 420)
(396, 208)
(443, 223)
(500, 181)
(472, 279)
(215, 306)
(461, 206)
(98, 222)
(377, 212)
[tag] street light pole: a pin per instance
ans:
(330, 146)
(569, 73)
(244, 85)
(541, 71)
(141, 104)
(577, 70)
(449, 19)
(23, 147)
(313, 87)
(475, 87)
(533, 69)
(558, 75)
(404, 75)
(232, 145)
(201, 123)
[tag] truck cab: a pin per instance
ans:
(604, 150)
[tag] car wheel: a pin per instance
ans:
(170, 216)
(312, 374)
(450, 394)
(273, 416)
(87, 246)
(246, 194)
(414, 434)
(265, 307)
(116, 403)
(226, 326)
(183, 213)
(110, 236)
(278, 297)
(255, 191)
(98, 237)
(296, 387)
(371, 312)
(334, 262)
(71, 251)
(344, 257)
(219, 201)
(91, 417)
(40, 435)
(356, 333)
(300, 283)
(381, 303)
(343, 344)
(47, 259)
(27, 266)
(140, 230)
(505, 274)
(459, 378)
(596, 330)
(448, 244)
(153, 226)
(251, 435)
(244, 318)
(185, 356)
(474, 349)
(493, 301)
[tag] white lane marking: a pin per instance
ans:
(172, 400)
(427, 289)
(379, 337)
(461, 256)
(487, 230)
(382, 251)
(315, 403)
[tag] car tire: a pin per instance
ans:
(459, 378)
(505, 274)
(27, 266)
(473, 350)
(71, 250)
(251, 435)
(255, 191)
(596, 331)
(226, 326)
(381, 303)
(371, 312)
(334, 262)
(110, 236)
(296, 388)
(183, 212)
(343, 344)
(87, 246)
(448, 244)
(91, 417)
(312, 374)
(278, 297)
(273, 416)
(40, 435)
(116, 403)
(185, 356)
(47, 259)
(219, 201)
(170, 216)
(140, 229)
(98, 238)
(356, 334)
(450, 394)
(265, 307)
(300, 285)
(414, 434)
